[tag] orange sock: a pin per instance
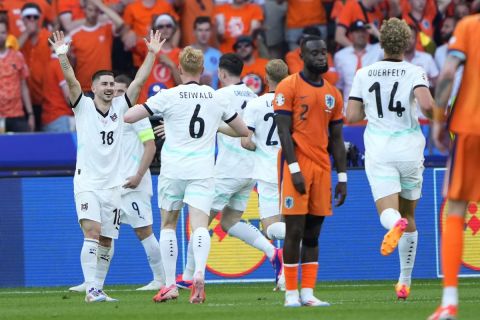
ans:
(452, 247)
(309, 274)
(291, 276)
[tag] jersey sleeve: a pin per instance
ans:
(144, 130)
(79, 105)
(249, 115)
(356, 91)
(337, 114)
(257, 13)
(420, 78)
(284, 96)
(229, 112)
(457, 45)
(157, 103)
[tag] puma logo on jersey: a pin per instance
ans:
(84, 206)
(114, 117)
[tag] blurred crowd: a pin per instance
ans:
(110, 35)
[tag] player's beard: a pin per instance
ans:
(316, 69)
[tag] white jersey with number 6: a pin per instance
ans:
(386, 89)
(258, 116)
(233, 161)
(192, 115)
(99, 140)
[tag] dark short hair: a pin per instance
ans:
(231, 63)
(309, 38)
(31, 5)
(100, 73)
(200, 20)
(123, 78)
(309, 31)
(4, 19)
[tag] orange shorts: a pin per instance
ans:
(318, 199)
(462, 180)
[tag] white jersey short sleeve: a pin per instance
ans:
(192, 114)
(386, 89)
(99, 142)
(233, 161)
(132, 148)
(258, 116)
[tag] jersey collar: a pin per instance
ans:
(315, 84)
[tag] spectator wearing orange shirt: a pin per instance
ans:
(370, 12)
(301, 14)
(92, 42)
(33, 43)
(138, 17)
(189, 11)
(239, 18)
(13, 74)
(57, 114)
(71, 14)
(423, 14)
(165, 70)
(14, 9)
(253, 73)
(295, 62)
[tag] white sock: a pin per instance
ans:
(154, 257)
(450, 296)
(306, 293)
(169, 253)
(389, 217)
(88, 260)
(252, 236)
(276, 231)
(104, 256)
(190, 265)
(407, 249)
(200, 248)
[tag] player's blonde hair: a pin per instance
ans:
(277, 70)
(191, 60)
(394, 36)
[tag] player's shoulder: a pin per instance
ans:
(289, 81)
(261, 101)
(470, 20)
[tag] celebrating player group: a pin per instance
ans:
(282, 143)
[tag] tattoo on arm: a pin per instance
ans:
(443, 90)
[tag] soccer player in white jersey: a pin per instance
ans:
(138, 149)
(192, 114)
(264, 141)
(234, 172)
(387, 93)
(97, 182)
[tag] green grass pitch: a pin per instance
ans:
(350, 300)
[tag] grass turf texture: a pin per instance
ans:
(358, 300)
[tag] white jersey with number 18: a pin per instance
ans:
(258, 116)
(192, 114)
(99, 144)
(386, 89)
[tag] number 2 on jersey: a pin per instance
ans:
(378, 99)
(271, 142)
(201, 124)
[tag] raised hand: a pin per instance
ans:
(155, 44)
(59, 44)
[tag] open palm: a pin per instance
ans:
(58, 40)
(155, 44)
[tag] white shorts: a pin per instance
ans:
(232, 192)
(102, 206)
(136, 209)
(404, 177)
(268, 199)
(173, 193)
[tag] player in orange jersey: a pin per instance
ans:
(461, 185)
(308, 110)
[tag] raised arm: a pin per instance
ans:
(135, 113)
(340, 160)
(284, 125)
(154, 46)
(111, 14)
(61, 49)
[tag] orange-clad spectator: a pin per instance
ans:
(14, 94)
(371, 12)
(253, 73)
(239, 18)
(423, 14)
(57, 115)
(14, 8)
(92, 42)
(165, 70)
(295, 63)
(301, 14)
(337, 8)
(189, 11)
(33, 43)
(71, 13)
(138, 17)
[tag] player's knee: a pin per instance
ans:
(294, 232)
(229, 220)
(311, 242)
(143, 232)
(105, 242)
